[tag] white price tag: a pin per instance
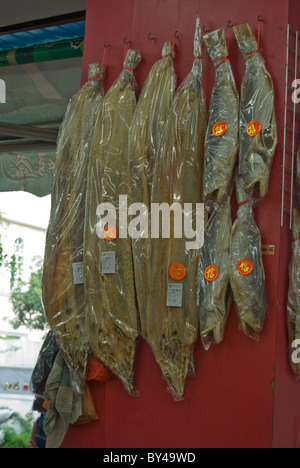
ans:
(78, 273)
(108, 262)
(174, 297)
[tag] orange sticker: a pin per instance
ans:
(110, 232)
(253, 128)
(177, 271)
(245, 266)
(219, 128)
(211, 272)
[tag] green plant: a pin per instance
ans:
(26, 301)
(16, 439)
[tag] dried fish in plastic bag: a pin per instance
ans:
(258, 130)
(172, 314)
(214, 291)
(293, 304)
(144, 137)
(247, 276)
(222, 139)
(62, 287)
(111, 316)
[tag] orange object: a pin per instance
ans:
(219, 128)
(211, 272)
(245, 266)
(110, 232)
(97, 371)
(177, 271)
(253, 128)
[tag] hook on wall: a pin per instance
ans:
(259, 18)
(150, 37)
(125, 41)
(106, 44)
(176, 34)
(229, 24)
(205, 30)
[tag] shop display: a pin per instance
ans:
(222, 138)
(258, 130)
(63, 289)
(172, 317)
(247, 276)
(111, 319)
(103, 288)
(144, 138)
(214, 291)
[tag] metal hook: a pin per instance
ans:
(106, 45)
(205, 30)
(176, 34)
(259, 18)
(229, 25)
(126, 42)
(150, 38)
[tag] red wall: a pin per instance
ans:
(230, 401)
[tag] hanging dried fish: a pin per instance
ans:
(258, 131)
(172, 315)
(111, 317)
(247, 276)
(63, 289)
(222, 140)
(293, 304)
(214, 292)
(144, 137)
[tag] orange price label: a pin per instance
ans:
(177, 271)
(211, 272)
(245, 266)
(219, 128)
(253, 128)
(110, 232)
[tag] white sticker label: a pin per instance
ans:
(108, 262)
(174, 297)
(78, 273)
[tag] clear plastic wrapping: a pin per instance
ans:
(258, 131)
(222, 137)
(62, 287)
(111, 318)
(172, 317)
(214, 291)
(144, 137)
(247, 276)
(293, 303)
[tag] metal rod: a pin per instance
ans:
(285, 112)
(28, 132)
(293, 145)
(291, 109)
(26, 146)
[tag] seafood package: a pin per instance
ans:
(144, 138)
(62, 284)
(172, 315)
(214, 291)
(258, 130)
(111, 319)
(222, 137)
(247, 277)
